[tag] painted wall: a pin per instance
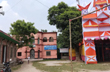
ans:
(40, 46)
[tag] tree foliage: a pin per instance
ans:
(59, 15)
(21, 30)
(42, 30)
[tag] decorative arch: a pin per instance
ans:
(32, 53)
(51, 39)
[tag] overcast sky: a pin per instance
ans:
(35, 11)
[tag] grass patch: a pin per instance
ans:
(50, 68)
(77, 66)
(16, 67)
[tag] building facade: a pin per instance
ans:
(8, 48)
(45, 47)
(96, 32)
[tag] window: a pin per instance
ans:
(33, 39)
(15, 52)
(38, 40)
(48, 53)
(19, 53)
(44, 39)
(51, 39)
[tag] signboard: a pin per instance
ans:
(50, 47)
(64, 50)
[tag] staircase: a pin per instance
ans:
(1, 67)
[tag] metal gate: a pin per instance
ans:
(32, 54)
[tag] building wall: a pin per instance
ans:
(9, 45)
(40, 46)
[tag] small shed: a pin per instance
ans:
(64, 53)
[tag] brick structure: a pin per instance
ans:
(7, 48)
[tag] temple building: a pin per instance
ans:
(96, 32)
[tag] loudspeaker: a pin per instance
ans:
(2, 13)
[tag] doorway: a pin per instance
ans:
(4, 53)
(32, 54)
(102, 50)
(38, 53)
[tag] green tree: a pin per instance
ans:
(43, 30)
(21, 30)
(59, 16)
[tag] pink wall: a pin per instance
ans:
(22, 50)
(40, 46)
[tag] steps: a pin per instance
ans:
(1, 67)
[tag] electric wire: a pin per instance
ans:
(14, 5)
(42, 4)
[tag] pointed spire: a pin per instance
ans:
(94, 3)
(81, 8)
(109, 1)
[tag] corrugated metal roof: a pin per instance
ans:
(7, 37)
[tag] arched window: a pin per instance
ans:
(38, 41)
(51, 39)
(44, 39)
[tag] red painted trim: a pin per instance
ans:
(37, 51)
(37, 39)
(39, 44)
(46, 32)
(92, 62)
(44, 44)
(49, 44)
(29, 51)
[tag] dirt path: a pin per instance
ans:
(27, 68)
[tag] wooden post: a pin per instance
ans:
(70, 45)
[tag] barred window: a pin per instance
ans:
(48, 53)
(19, 53)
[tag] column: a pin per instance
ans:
(90, 52)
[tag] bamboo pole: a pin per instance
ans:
(70, 45)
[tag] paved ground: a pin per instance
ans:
(25, 67)
(32, 59)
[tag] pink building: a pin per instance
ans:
(45, 46)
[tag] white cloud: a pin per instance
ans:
(9, 17)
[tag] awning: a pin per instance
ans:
(7, 37)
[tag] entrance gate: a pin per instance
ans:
(32, 54)
(102, 50)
